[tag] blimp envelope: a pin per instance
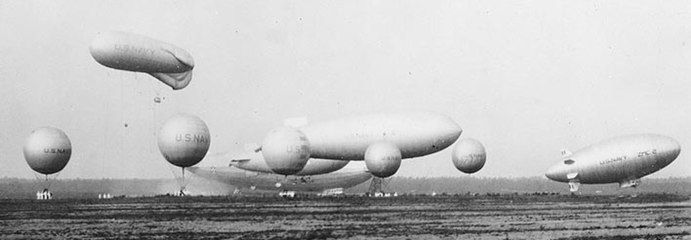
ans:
(131, 52)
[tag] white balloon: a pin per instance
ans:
(383, 159)
(184, 140)
(286, 150)
(47, 150)
(469, 155)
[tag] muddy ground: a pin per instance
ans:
(354, 217)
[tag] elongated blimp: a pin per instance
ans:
(344, 178)
(381, 140)
(255, 162)
(131, 52)
(622, 160)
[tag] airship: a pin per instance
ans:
(623, 160)
(132, 52)
(254, 162)
(248, 170)
(381, 140)
(345, 177)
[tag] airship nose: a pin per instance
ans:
(554, 173)
(449, 127)
(674, 146)
(100, 44)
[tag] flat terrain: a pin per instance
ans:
(405, 217)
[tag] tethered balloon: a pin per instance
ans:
(47, 150)
(184, 140)
(469, 155)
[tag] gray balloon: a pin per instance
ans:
(47, 150)
(184, 140)
(383, 159)
(286, 150)
(469, 155)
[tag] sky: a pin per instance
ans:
(526, 78)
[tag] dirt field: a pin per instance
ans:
(406, 217)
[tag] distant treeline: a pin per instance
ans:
(472, 185)
(16, 188)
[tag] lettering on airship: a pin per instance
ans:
(128, 48)
(197, 138)
(613, 160)
(57, 150)
(647, 153)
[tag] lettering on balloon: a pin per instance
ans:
(472, 156)
(300, 149)
(57, 150)
(195, 138)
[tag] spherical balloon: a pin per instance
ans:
(184, 140)
(286, 150)
(383, 159)
(47, 150)
(469, 155)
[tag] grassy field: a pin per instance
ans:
(649, 216)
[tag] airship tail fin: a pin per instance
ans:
(176, 81)
(251, 147)
(240, 158)
(235, 162)
(565, 153)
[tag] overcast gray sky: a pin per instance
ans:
(527, 78)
